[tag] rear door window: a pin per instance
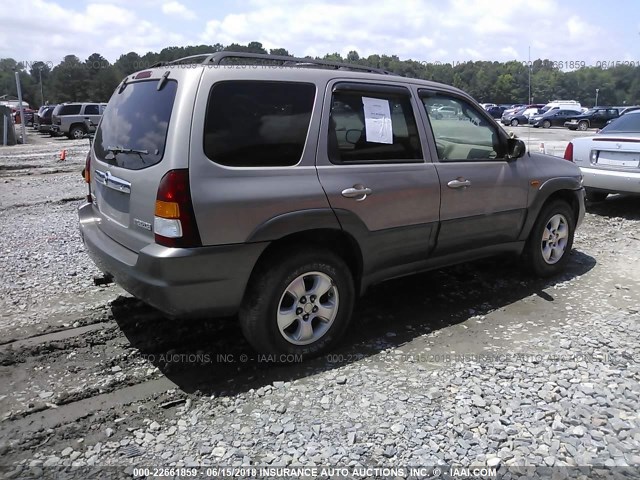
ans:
(70, 110)
(376, 126)
(133, 131)
(257, 123)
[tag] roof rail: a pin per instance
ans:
(218, 57)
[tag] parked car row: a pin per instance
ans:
(559, 113)
(73, 120)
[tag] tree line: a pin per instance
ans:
(94, 79)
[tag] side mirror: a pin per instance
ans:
(516, 148)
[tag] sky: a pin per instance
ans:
(590, 32)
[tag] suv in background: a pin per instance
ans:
(42, 120)
(282, 194)
(76, 119)
(596, 117)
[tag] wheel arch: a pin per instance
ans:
(333, 239)
(558, 189)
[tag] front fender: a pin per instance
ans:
(570, 187)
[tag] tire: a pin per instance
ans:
(546, 124)
(583, 125)
(549, 245)
(514, 122)
(286, 283)
(76, 133)
(594, 196)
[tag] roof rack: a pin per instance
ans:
(218, 57)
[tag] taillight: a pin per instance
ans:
(174, 223)
(87, 175)
(568, 153)
(87, 169)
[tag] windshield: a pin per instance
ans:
(134, 126)
(629, 123)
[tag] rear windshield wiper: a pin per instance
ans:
(116, 150)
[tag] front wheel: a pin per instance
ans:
(514, 122)
(582, 126)
(551, 238)
(298, 302)
(546, 124)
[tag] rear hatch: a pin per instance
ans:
(131, 154)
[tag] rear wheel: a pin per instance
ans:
(583, 125)
(298, 302)
(551, 238)
(596, 196)
(76, 132)
(514, 122)
(546, 124)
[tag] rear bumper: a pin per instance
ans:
(582, 210)
(612, 181)
(177, 281)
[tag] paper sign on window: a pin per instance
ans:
(377, 120)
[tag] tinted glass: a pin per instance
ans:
(91, 110)
(627, 123)
(349, 140)
(467, 136)
(137, 118)
(70, 110)
(257, 124)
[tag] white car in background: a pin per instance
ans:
(610, 160)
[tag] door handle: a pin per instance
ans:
(357, 191)
(459, 183)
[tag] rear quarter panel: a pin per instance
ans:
(231, 202)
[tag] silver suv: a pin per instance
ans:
(76, 119)
(282, 189)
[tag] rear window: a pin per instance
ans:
(137, 119)
(91, 110)
(69, 110)
(257, 124)
(627, 123)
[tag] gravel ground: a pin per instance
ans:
(477, 365)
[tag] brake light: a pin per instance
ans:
(87, 175)
(568, 153)
(87, 169)
(174, 221)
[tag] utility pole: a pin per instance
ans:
(22, 119)
(529, 64)
(597, 90)
(41, 88)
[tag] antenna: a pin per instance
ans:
(529, 125)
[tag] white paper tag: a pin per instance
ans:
(377, 120)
